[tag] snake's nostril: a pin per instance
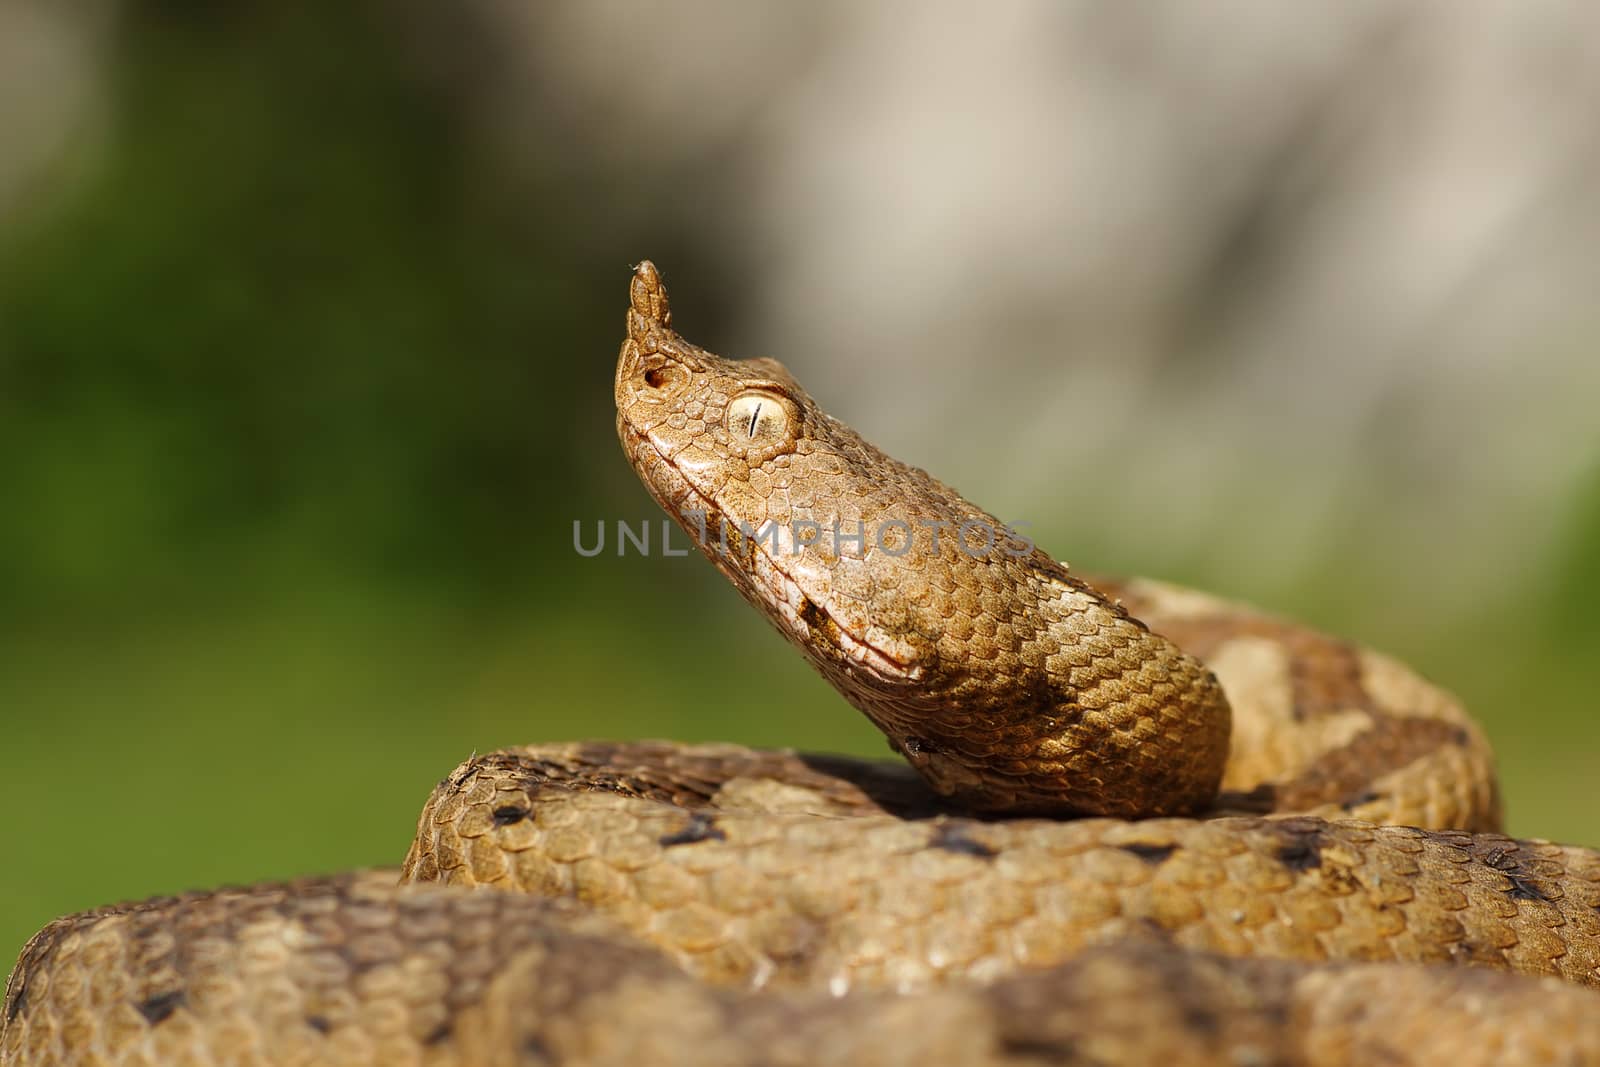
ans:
(655, 378)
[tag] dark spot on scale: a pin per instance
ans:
(700, 827)
(1155, 855)
(319, 1023)
(1522, 889)
(1461, 736)
(1300, 851)
(159, 1008)
(535, 1049)
(916, 746)
(509, 815)
(1505, 861)
(438, 1035)
(952, 837)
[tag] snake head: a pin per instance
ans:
(1002, 679)
(714, 420)
(760, 476)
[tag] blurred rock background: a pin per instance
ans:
(308, 316)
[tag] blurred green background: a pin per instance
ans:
(307, 324)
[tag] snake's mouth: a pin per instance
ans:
(758, 572)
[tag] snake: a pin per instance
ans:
(1130, 822)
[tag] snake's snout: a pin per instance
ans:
(651, 368)
(647, 295)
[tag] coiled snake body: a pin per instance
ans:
(1134, 822)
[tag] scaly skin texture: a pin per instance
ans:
(708, 905)
(353, 970)
(770, 868)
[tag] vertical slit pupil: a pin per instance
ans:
(754, 415)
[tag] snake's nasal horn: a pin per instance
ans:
(647, 299)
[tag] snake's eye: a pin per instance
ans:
(757, 419)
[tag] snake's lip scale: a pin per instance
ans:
(864, 652)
